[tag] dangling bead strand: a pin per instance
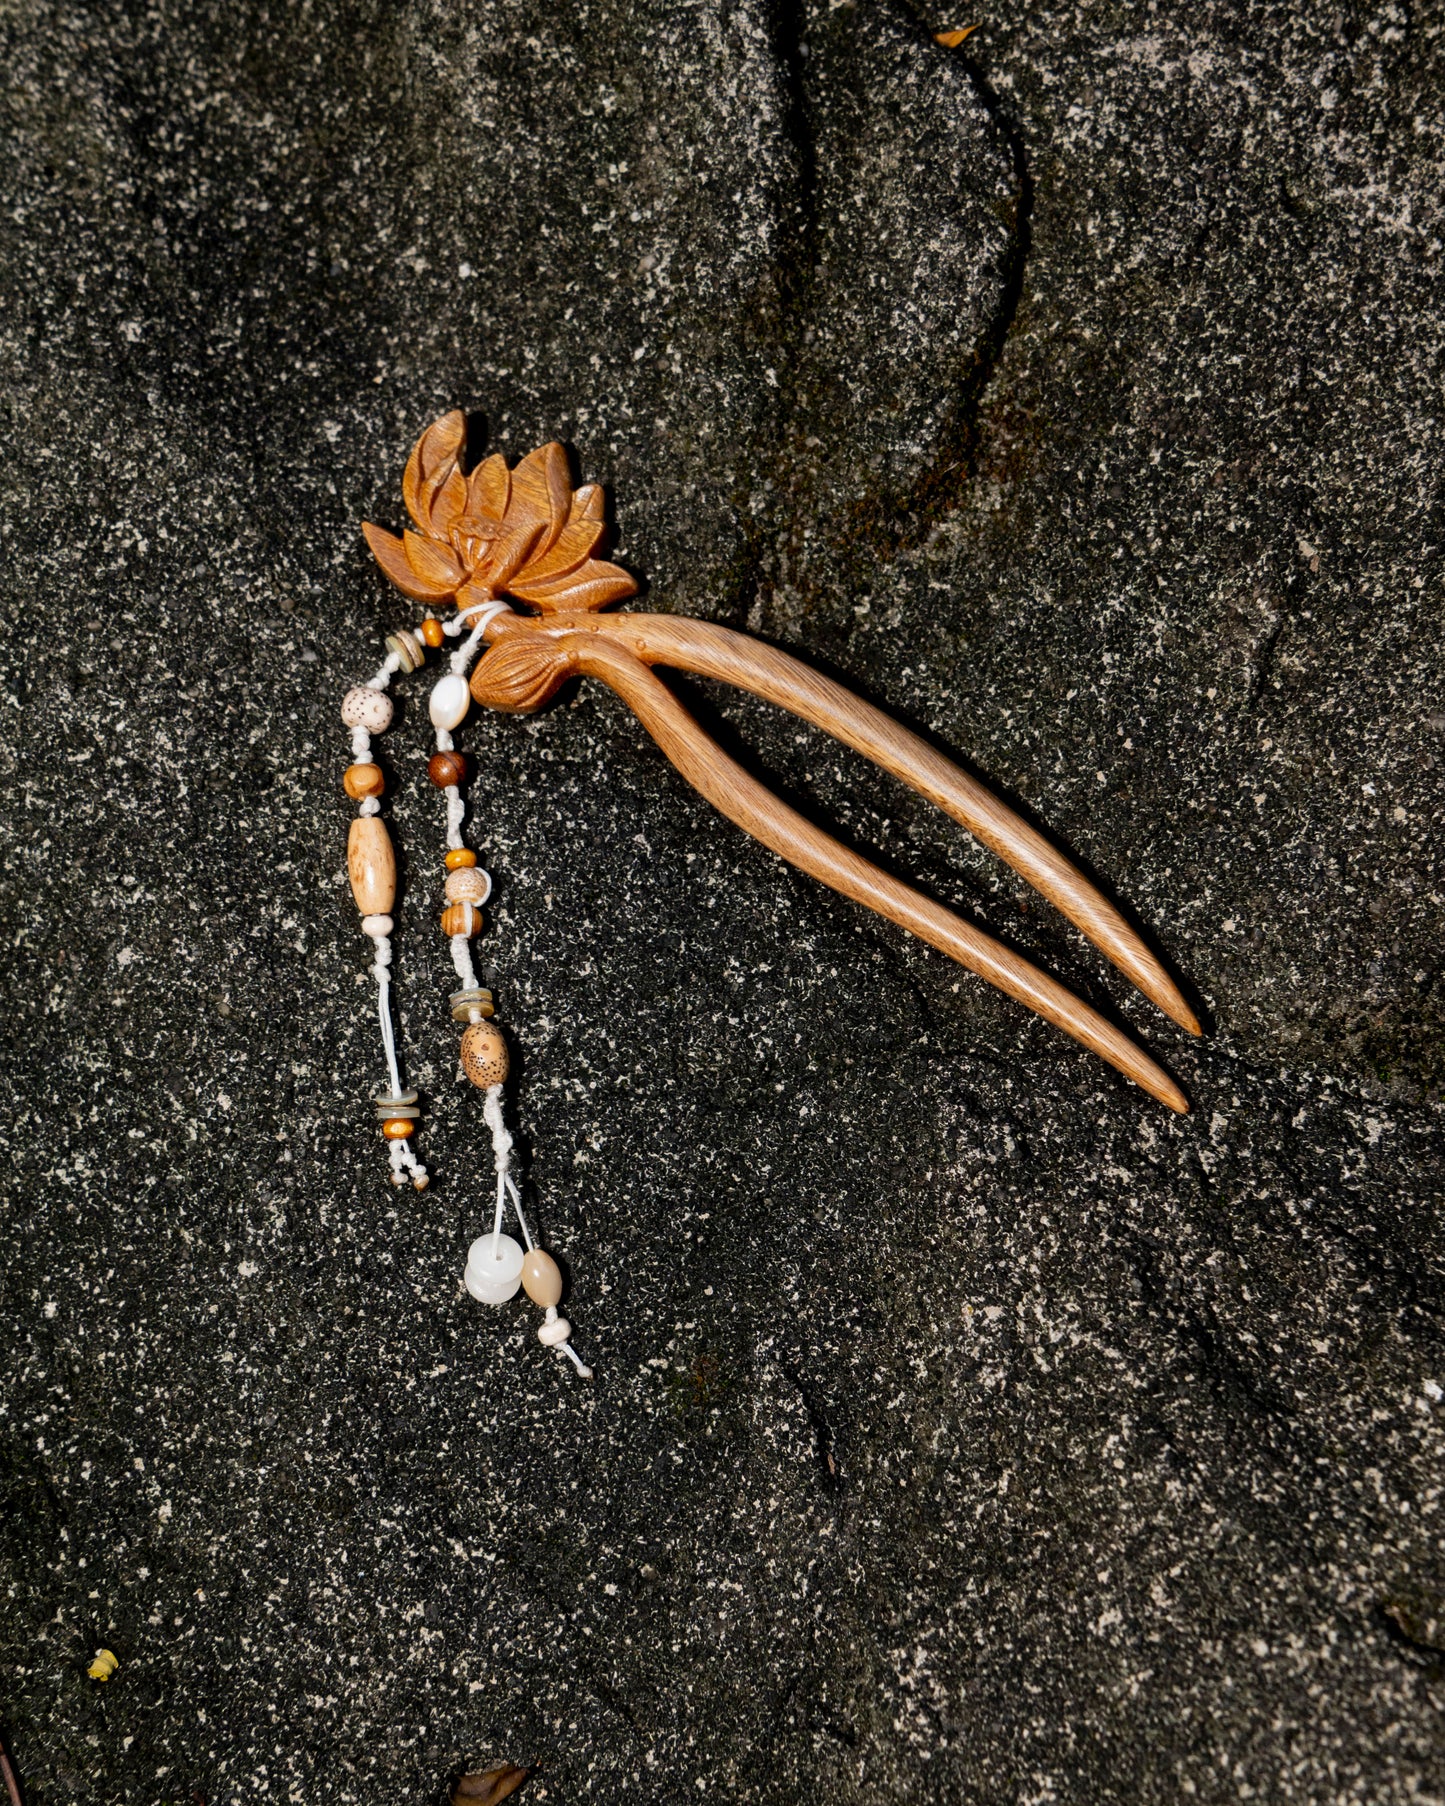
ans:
(496, 1266)
(371, 867)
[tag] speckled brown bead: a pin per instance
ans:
(362, 780)
(446, 768)
(431, 632)
(484, 1055)
(461, 918)
(469, 885)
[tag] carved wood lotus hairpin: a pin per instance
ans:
(500, 536)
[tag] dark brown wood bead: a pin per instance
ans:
(446, 768)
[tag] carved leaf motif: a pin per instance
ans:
(523, 533)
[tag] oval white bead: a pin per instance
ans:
(450, 700)
(489, 1280)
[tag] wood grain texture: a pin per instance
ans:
(525, 533)
(755, 809)
(749, 664)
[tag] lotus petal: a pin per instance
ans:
(509, 553)
(542, 490)
(593, 586)
(432, 461)
(489, 488)
(433, 562)
(390, 554)
(589, 503)
(575, 545)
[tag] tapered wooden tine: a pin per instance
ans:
(758, 812)
(734, 658)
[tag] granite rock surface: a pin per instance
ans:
(964, 1428)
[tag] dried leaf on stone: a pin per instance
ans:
(951, 40)
(487, 1788)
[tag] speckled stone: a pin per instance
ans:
(964, 1427)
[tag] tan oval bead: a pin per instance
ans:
(484, 1055)
(541, 1279)
(362, 780)
(371, 866)
(468, 885)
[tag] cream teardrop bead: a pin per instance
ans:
(541, 1278)
(371, 866)
(450, 700)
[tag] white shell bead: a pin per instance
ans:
(368, 708)
(377, 925)
(450, 700)
(488, 1279)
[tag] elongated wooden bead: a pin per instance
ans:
(371, 866)
(484, 1055)
(541, 1278)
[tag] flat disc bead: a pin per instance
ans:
(541, 1278)
(368, 708)
(362, 780)
(485, 1059)
(446, 768)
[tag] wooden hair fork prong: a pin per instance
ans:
(526, 535)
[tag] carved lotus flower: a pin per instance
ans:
(522, 533)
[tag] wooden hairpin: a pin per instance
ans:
(526, 536)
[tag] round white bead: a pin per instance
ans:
(468, 884)
(450, 700)
(368, 708)
(489, 1280)
(377, 925)
(554, 1331)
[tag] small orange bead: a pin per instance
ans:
(461, 918)
(363, 780)
(460, 856)
(397, 1128)
(431, 631)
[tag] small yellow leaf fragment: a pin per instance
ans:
(104, 1665)
(951, 40)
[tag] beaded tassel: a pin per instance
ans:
(496, 1265)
